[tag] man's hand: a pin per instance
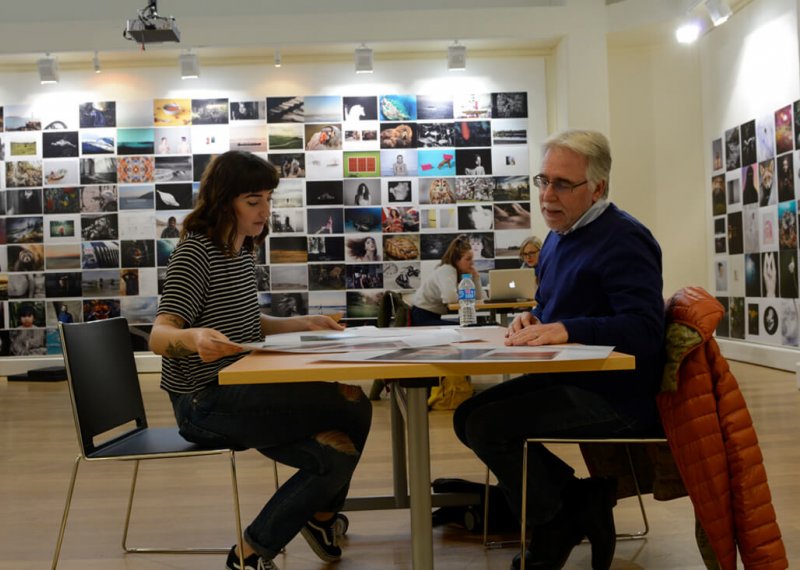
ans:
(212, 345)
(322, 322)
(535, 333)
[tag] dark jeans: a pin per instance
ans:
(424, 317)
(494, 423)
(281, 422)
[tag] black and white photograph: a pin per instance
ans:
(733, 149)
(60, 144)
(512, 105)
(285, 110)
(325, 220)
(286, 277)
(101, 170)
(254, 111)
(326, 277)
(434, 107)
(475, 217)
(209, 111)
(325, 248)
(324, 192)
(473, 162)
(356, 109)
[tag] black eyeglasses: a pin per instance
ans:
(560, 186)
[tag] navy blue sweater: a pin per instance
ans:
(603, 282)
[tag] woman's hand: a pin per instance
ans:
(322, 322)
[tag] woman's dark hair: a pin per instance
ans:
(456, 250)
(229, 175)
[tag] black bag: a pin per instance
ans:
(501, 518)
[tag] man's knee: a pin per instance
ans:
(351, 393)
(336, 440)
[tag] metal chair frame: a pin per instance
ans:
(117, 363)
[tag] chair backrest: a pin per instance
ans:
(103, 383)
(393, 311)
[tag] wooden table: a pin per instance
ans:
(502, 308)
(412, 379)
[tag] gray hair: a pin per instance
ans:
(593, 146)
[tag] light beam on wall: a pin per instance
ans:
(719, 11)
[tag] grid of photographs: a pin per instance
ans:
(373, 190)
(754, 203)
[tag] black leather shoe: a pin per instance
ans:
(551, 543)
(594, 510)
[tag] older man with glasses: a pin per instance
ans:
(599, 283)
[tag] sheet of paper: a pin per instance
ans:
(461, 353)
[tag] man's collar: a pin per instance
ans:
(588, 216)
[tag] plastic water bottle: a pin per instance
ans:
(466, 301)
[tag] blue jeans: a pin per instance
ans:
(281, 421)
(494, 423)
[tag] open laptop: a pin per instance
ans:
(512, 284)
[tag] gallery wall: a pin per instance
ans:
(750, 82)
(135, 125)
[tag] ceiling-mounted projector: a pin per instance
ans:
(150, 28)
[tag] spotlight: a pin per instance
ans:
(190, 66)
(688, 32)
(48, 69)
(364, 62)
(277, 58)
(96, 63)
(456, 57)
(719, 11)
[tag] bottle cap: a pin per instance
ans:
(466, 276)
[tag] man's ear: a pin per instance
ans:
(599, 190)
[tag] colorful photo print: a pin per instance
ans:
(99, 227)
(326, 277)
(21, 118)
(735, 233)
(99, 255)
(250, 138)
(401, 247)
(736, 317)
(437, 191)
(137, 197)
(138, 253)
(363, 304)
(438, 218)
(25, 145)
(172, 140)
(164, 249)
(512, 105)
(397, 107)
(103, 170)
(325, 248)
(100, 309)
(23, 173)
(769, 229)
(288, 304)
(323, 109)
(174, 196)
(718, 204)
(400, 219)
(97, 114)
(98, 141)
(61, 200)
(288, 249)
(364, 276)
(752, 275)
(99, 198)
(786, 175)
(327, 303)
(210, 111)
(473, 133)
(747, 135)
(63, 256)
(362, 164)
(716, 154)
(787, 225)
(784, 141)
(437, 162)
(326, 136)
(362, 136)
(751, 228)
(768, 196)
(291, 165)
(254, 111)
(753, 319)
(26, 314)
(733, 150)
(61, 172)
(172, 112)
(473, 162)
(362, 220)
(325, 192)
(139, 310)
(472, 106)
(508, 188)
(398, 162)
(60, 144)
(135, 141)
(288, 278)
(365, 192)
(285, 136)
(27, 342)
(28, 229)
(475, 189)
(513, 216)
(363, 249)
(325, 220)
(169, 224)
(398, 135)
(285, 110)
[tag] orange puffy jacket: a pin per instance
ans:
(711, 435)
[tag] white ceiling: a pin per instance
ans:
(239, 30)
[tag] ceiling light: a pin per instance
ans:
(456, 57)
(719, 11)
(96, 63)
(277, 58)
(364, 61)
(688, 32)
(48, 69)
(190, 66)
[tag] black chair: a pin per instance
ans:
(105, 393)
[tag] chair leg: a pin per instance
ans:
(487, 544)
(524, 516)
(130, 507)
(236, 510)
(642, 533)
(63, 527)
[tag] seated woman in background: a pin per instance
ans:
(529, 252)
(440, 288)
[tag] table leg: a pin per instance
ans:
(420, 479)
(399, 474)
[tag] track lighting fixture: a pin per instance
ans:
(48, 69)
(190, 66)
(96, 63)
(277, 57)
(456, 57)
(364, 60)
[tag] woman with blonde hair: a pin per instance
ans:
(529, 252)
